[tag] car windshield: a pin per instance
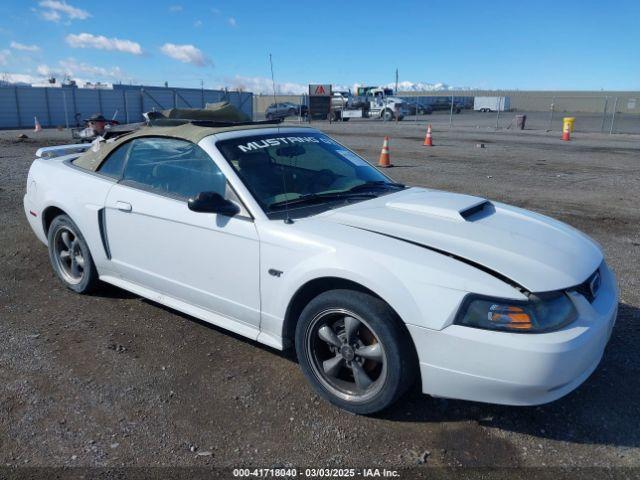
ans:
(305, 173)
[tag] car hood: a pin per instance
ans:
(525, 248)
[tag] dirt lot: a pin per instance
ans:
(115, 380)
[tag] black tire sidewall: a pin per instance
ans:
(90, 278)
(399, 349)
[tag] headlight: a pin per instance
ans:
(540, 314)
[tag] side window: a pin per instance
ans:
(175, 167)
(112, 166)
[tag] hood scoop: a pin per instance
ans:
(453, 206)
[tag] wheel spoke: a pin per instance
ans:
(329, 336)
(351, 325)
(64, 255)
(80, 261)
(75, 270)
(66, 239)
(370, 352)
(360, 376)
(333, 365)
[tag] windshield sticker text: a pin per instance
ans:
(274, 142)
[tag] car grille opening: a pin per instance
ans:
(589, 288)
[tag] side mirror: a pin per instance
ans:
(212, 202)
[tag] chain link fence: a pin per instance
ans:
(592, 113)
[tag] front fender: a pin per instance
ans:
(424, 287)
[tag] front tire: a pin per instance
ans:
(354, 351)
(388, 115)
(70, 256)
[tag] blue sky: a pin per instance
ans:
(582, 45)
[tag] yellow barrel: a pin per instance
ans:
(568, 121)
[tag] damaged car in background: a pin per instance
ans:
(287, 237)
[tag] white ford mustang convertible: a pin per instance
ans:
(285, 236)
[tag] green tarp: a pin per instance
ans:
(219, 112)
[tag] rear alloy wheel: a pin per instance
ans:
(355, 352)
(70, 256)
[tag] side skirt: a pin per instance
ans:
(197, 312)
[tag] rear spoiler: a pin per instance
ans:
(60, 150)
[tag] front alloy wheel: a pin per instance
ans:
(355, 351)
(346, 355)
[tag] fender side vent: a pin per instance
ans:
(102, 217)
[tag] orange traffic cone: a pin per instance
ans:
(37, 127)
(427, 140)
(385, 159)
(566, 132)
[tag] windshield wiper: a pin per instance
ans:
(376, 184)
(318, 197)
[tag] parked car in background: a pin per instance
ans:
(444, 103)
(285, 109)
(418, 108)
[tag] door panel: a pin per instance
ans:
(204, 259)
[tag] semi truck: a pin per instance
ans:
(373, 102)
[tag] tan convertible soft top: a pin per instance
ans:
(93, 158)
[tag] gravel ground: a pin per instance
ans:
(114, 380)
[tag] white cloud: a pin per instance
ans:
(407, 86)
(175, 8)
(51, 16)
(44, 70)
(88, 40)
(53, 10)
(73, 67)
(232, 22)
(186, 54)
(18, 78)
(80, 71)
(24, 48)
(264, 85)
(197, 23)
(4, 57)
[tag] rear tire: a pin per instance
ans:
(70, 256)
(355, 351)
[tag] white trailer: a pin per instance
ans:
(491, 104)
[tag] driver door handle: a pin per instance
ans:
(123, 206)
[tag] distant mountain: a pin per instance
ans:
(407, 86)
